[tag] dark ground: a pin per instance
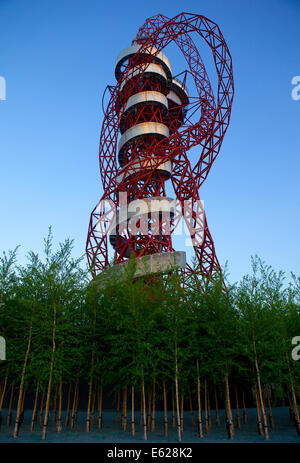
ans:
(284, 432)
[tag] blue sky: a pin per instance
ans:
(57, 58)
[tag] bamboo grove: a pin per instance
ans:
(144, 347)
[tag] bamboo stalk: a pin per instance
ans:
(144, 408)
(91, 397)
(88, 422)
(1, 400)
(59, 421)
(20, 398)
(124, 409)
(294, 398)
(21, 416)
(34, 412)
(54, 404)
(292, 416)
(165, 410)
(8, 421)
(259, 420)
(73, 416)
(238, 419)
(173, 410)
(68, 406)
(245, 418)
(153, 408)
(132, 412)
(93, 404)
(149, 408)
(118, 406)
(272, 424)
(191, 409)
(22, 408)
(76, 405)
(177, 394)
(266, 428)
(42, 407)
(217, 406)
(181, 411)
(228, 408)
(100, 394)
(200, 427)
(46, 416)
(206, 406)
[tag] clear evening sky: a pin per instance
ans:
(57, 56)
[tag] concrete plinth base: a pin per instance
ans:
(143, 266)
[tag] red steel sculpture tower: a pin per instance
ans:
(150, 124)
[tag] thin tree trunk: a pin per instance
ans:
(54, 404)
(90, 396)
(8, 421)
(59, 421)
(76, 405)
(73, 417)
(68, 406)
(217, 407)
(124, 410)
(132, 412)
(3, 391)
(149, 408)
(294, 399)
(19, 405)
(228, 409)
(144, 408)
(181, 411)
(191, 410)
(34, 412)
(165, 410)
(258, 407)
(88, 420)
(291, 412)
(245, 418)
(238, 419)
(100, 395)
(2, 395)
(93, 403)
(200, 427)
(46, 417)
(42, 407)
(153, 408)
(266, 427)
(177, 394)
(272, 424)
(23, 405)
(206, 406)
(118, 406)
(173, 410)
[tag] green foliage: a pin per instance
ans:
(120, 331)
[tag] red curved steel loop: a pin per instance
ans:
(157, 122)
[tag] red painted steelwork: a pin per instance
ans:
(180, 124)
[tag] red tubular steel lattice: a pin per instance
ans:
(157, 123)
